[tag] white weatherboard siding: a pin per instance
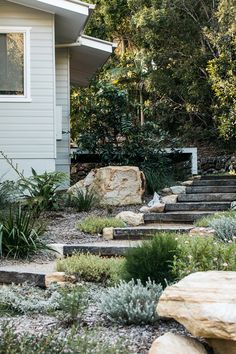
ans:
(63, 100)
(27, 133)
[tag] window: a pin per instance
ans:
(14, 64)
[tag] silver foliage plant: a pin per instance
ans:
(225, 228)
(132, 302)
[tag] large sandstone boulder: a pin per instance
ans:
(171, 343)
(205, 303)
(115, 185)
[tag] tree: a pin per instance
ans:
(222, 69)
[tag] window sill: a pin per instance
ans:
(15, 99)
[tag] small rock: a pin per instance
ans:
(145, 209)
(108, 233)
(166, 191)
(202, 231)
(187, 183)
(233, 205)
(178, 189)
(131, 218)
(171, 343)
(158, 208)
(58, 277)
(170, 199)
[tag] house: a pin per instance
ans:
(42, 52)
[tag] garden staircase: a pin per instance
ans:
(205, 196)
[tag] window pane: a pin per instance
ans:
(11, 64)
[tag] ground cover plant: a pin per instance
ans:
(225, 228)
(152, 259)
(95, 224)
(132, 302)
(12, 342)
(199, 254)
(92, 268)
(205, 221)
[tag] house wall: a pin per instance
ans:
(27, 129)
(63, 100)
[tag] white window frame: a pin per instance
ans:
(27, 90)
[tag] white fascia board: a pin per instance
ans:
(51, 6)
(90, 42)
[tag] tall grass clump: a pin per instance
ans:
(83, 200)
(20, 234)
(152, 259)
(95, 224)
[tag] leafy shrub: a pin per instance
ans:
(225, 228)
(131, 302)
(83, 200)
(198, 254)
(95, 224)
(92, 268)
(8, 193)
(71, 303)
(40, 191)
(205, 221)
(152, 259)
(23, 299)
(156, 178)
(20, 235)
(89, 342)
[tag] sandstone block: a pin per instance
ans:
(178, 189)
(170, 199)
(205, 303)
(157, 208)
(171, 343)
(107, 233)
(114, 185)
(58, 277)
(202, 231)
(131, 218)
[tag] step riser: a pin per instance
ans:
(199, 207)
(213, 189)
(217, 197)
(228, 177)
(173, 218)
(137, 234)
(225, 183)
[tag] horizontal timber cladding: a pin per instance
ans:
(63, 100)
(27, 128)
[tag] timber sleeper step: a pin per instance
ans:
(200, 206)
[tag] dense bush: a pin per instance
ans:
(198, 254)
(95, 224)
(132, 302)
(152, 259)
(92, 268)
(82, 200)
(225, 228)
(89, 342)
(20, 234)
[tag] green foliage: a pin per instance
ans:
(8, 193)
(71, 303)
(20, 234)
(89, 342)
(225, 228)
(222, 68)
(158, 176)
(95, 224)
(92, 268)
(82, 200)
(205, 221)
(132, 302)
(40, 191)
(152, 259)
(199, 254)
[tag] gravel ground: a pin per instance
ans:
(61, 225)
(137, 339)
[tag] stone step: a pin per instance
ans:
(205, 197)
(202, 206)
(176, 217)
(142, 232)
(212, 177)
(214, 182)
(211, 189)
